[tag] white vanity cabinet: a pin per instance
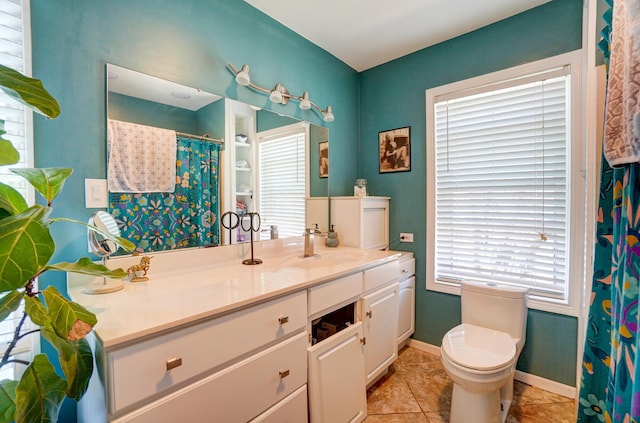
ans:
(379, 315)
(361, 222)
(343, 364)
(276, 346)
(379, 310)
(208, 371)
(406, 298)
(337, 390)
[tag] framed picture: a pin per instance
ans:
(323, 148)
(394, 148)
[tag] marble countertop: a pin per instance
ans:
(190, 285)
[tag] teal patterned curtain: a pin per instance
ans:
(610, 385)
(187, 217)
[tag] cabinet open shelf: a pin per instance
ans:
(332, 323)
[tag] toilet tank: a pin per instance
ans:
(497, 307)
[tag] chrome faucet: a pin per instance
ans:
(273, 231)
(308, 242)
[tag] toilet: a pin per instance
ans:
(481, 353)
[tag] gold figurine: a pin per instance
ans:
(142, 267)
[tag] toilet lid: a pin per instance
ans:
(479, 348)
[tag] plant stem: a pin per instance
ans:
(14, 341)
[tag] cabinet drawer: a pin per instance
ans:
(378, 276)
(335, 293)
(407, 268)
(149, 367)
(235, 394)
(292, 409)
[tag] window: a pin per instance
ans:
(15, 53)
(504, 167)
(282, 180)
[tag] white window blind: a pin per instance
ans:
(14, 38)
(501, 189)
(283, 182)
(14, 53)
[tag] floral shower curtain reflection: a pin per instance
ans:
(610, 386)
(187, 217)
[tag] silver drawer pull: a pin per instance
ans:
(283, 373)
(172, 363)
(283, 319)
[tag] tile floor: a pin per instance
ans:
(417, 390)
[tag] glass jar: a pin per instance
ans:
(360, 188)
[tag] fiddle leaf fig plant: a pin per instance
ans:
(26, 248)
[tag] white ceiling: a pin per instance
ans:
(367, 33)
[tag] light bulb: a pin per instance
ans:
(328, 115)
(242, 77)
(276, 94)
(305, 104)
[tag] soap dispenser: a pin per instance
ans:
(332, 238)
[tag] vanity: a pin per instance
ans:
(209, 339)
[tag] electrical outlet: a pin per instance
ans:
(406, 237)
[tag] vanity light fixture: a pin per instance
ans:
(242, 77)
(279, 94)
(305, 103)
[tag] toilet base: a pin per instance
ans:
(478, 407)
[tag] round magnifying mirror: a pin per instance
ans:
(101, 245)
(98, 243)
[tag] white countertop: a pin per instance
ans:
(189, 285)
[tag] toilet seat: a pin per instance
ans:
(476, 348)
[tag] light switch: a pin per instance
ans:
(95, 193)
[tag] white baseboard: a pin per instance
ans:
(533, 380)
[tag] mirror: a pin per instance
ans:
(262, 155)
(100, 245)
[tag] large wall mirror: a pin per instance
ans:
(229, 157)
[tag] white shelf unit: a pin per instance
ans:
(361, 222)
(240, 180)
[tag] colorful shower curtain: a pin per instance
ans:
(610, 385)
(187, 217)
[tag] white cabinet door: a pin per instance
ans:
(336, 380)
(379, 310)
(406, 308)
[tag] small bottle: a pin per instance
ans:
(332, 238)
(360, 188)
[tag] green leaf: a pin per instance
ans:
(122, 242)
(28, 91)
(47, 181)
(39, 393)
(9, 303)
(11, 200)
(8, 153)
(76, 361)
(70, 320)
(85, 266)
(7, 400)
(36, 311)
(25, 246)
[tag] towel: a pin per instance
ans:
(622, 119)
(141, 158)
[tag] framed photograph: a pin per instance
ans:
(323, 148)
(394, 146)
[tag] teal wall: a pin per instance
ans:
(192, 42)
(187, 41)
(392, 95)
